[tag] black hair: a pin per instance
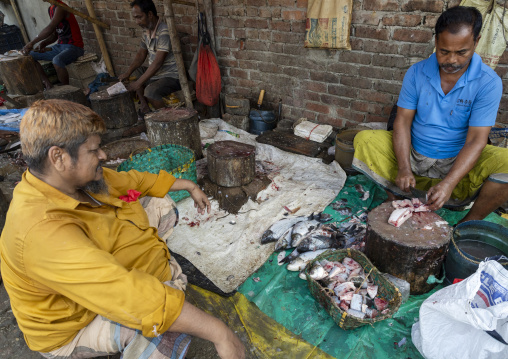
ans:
(145, 5)
(453, 19)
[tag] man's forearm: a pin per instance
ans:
(150, 71)
(402, 145)
(46, 34)
(466, 159)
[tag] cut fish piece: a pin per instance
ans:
(372, 290)
(380, 304)
(399, 216)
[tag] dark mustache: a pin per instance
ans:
(450, 65)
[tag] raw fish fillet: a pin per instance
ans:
(399, 216)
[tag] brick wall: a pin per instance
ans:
(260, 46)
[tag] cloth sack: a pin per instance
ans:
(468, 319)
(328, 24)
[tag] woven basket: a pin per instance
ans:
(386, 290)
(177, 160)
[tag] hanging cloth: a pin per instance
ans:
(208, 80)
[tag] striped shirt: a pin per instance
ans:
(160, 41)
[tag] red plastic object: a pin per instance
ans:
(457, 280)
(208, 80)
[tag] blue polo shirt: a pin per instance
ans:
(441, 121)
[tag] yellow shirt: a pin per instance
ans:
(63, 261)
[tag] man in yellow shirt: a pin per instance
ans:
(85, 272)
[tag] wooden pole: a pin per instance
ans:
(100, 39)
(177, 51)
(20, 21)
(78, 13)
(209, 21)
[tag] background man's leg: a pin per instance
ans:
(492, 195)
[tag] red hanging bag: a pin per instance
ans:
(208, 80)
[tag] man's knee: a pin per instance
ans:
(369, 138)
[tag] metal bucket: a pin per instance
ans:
(473, 242)
(261, 121)
(344, 150)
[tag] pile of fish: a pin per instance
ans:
(404, 209)
(310, 234)
(349, 287)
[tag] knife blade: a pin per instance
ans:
(417, 193)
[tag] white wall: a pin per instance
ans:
(34, 13)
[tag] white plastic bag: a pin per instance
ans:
(455, 321)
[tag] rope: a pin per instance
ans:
(310, 133)
(466, 258)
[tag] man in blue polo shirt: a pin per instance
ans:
(446, 107)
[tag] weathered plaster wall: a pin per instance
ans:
(33, 12)
(260, 46)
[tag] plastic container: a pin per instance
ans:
(344, 150)
(261, 121)
(472, 242)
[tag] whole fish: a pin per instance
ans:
(304, 257)
(277, 229)
(318, 272)
(284, 240)
(301, 229)
(318, 241)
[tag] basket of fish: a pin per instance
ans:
(351, 289)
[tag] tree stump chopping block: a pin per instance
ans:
(412, 252)
(117, 111)
(20, 75)
(178, 126)
(66, 92)
(241, 122)
(231, 164)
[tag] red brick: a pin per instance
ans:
(283, 3)
(369, 117)
(314, 86)
(389, 61)
(317, 107)
(430, 21)
(402, 20)
(375, 72)
(501, 70)
(417, 50)
(298, 73)
(334, 100)
(310, 96)
(264, 35)
(356, 82)
(412, 35)
(287, 38)
(372, 33)
(256, 3)
(390, 87)
(375, 96)
(256, 45)
(330, 120)
(341, 90)
(383, 5)
(258, 24)
(238, 73)
(356, 44)
(298, 50)
(502, 117)
(387, 47)
(346, 69)
(265, 13)
(301, 3)
(423, 5)
(298, 26)
(324, 76)
(280, 25)
(276, 48)
(355, 57)
(294, 15)
(366, 18)
(252, 11)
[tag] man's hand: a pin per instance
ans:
(123, 76)
(134, 86)
(438, 195)
(230, 347)
(200, 199)
(404, 180)
(28, 47)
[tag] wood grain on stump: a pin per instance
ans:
(117, 111)
(66, 92)
(20, 75)
(241, 122)
(412, 252)
(237, 105)
(231, 164)
(177, 126)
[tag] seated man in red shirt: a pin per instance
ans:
(64, 28)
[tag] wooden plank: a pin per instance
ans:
(291, 143)
(79, 13)
(20, 21)
(100, 39)
(177, 51)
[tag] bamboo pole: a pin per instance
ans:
(177, 51)
(20, 21)
(78, 13)
(100, 39)
(209, 21)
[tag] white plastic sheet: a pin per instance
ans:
(455, 320)
(226, 247)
